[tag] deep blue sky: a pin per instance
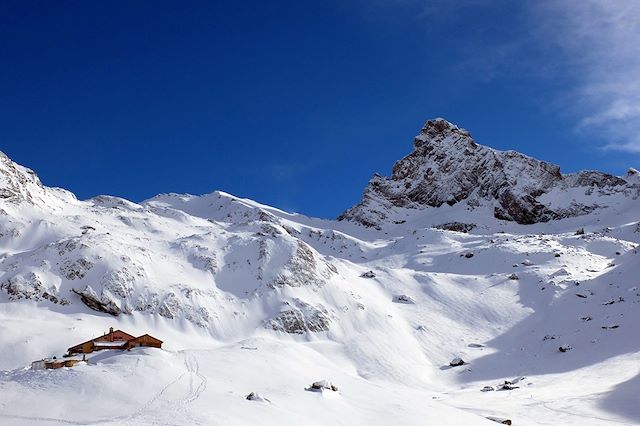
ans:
(291, 103)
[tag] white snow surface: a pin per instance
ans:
(250, 298)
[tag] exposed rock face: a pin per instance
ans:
(448, 167)
(300, 317)
(98, 303)
(303, 270)
(456, 226)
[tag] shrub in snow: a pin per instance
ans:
(514, 276)
(468, 255)
(403, 298)
(369, 274)
(580, 231)
(565, 348)
(322, 385)
(456, 362)
(549, 337)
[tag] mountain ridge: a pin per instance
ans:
(448, 167)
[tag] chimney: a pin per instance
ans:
(111, 334)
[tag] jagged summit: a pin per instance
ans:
(16, 182)
(448, 167)
(436, 127)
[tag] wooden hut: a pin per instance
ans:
(114, 339)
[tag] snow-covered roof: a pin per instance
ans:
(110, 344)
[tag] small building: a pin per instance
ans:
(114, 339)
(39, 364)
(53, 363)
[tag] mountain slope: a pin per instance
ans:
(464, 252)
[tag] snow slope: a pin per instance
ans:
(481, 260)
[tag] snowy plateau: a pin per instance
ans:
(472, 286)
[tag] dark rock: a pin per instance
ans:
(499, 420)
(369, 274)
(456, 362)
(92, 302)
(456, 226)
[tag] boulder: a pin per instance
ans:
(456, 362)
(321, 386)
(369, 274)
(254, 396)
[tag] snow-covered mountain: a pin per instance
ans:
(448, 167)
(465, 251)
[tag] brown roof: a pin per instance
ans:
(148, 335)
(99, 337)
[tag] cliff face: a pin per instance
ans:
(448, 167)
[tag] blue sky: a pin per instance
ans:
(297, 103)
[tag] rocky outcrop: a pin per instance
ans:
(98, 303)
(304, 269)
(448, 167)
(17, 183)
(298, 317)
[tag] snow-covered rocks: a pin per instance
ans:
(298, 317)
(447, 167)
(403, 298)
(456, 362)
(368, 274)
(254, 396)
(321, 386)
(456, 226)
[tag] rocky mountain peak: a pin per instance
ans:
(439, 127)
(17, 183)
(448, 167)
